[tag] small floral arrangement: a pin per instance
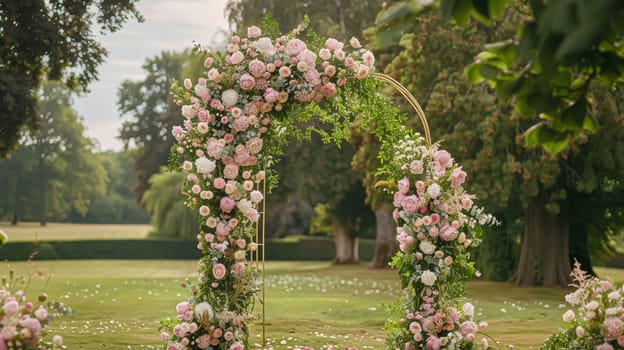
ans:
(436, 224)
(229, 113)
(22, 323)
(598, 322)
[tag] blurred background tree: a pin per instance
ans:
(47, 41)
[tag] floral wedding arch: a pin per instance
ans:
(263, 88)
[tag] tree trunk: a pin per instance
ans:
(385, 238)
(544, 256)
(42, 193)
(347, 247)
(579, 248)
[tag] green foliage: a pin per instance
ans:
(55, 171)
(150, 113)
(49, 40)
(170, 215)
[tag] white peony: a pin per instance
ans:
(202, 309)
(568, 316)
(229, 97)
(204, 165)
(244, 205)
(468, 309)
(428, 278)
(427, 247)
(256, 196)
(265, 46)
(434, 190)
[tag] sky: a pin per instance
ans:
(170, 25)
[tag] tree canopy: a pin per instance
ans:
(547, 66)
(49, 40)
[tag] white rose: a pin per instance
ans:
(433, 190)
(426, 247)
(265, 46)
(416, 167)
(229, 97)
(580, 331)
(187, 111)
(568, 316)
(256, 196)
(428, 278)
(57, 340)
(468, 309)
(202, 309)
(244, 206)
(204, 165)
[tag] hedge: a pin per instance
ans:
(316, 248)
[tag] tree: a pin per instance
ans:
(522, 185)
(150, 114)
(548, 64)
(55, 170)
(49, 40)
(164, 200)
(117, 205)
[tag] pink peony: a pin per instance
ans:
(433, 343)
(237, 57)
(307, 56)
(247, 81)
(410, 204)
(254, 32)
(219, 271)
(612, 327)
(10, 307)
(403, 185)
(230, 171)
(467, 327)
(415, 327)
(227, 204)
(443, 159)
(254, 145)
(257, 68)
(458, 176)
(295, 46)
(270, 95)
(448, 233)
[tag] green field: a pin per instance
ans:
(31, 231)
(118, 303)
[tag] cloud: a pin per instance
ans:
(170, 25)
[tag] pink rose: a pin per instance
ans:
(325, 54)
(458, 176)
(182, 307)
(257, 68)
(254, 32)
(410, 204)
(247, 82)
(398, 199)
(285, 71)
(227, 204)
(203, 342)
(330, 70)
(219, 183)
(448, 233)
(219, 271)
(368, 58)
(415, 327)
(230, 171)
(395, 214)
(467, 327)
(333, 44)
(254, 145)
(604, 346)
(620, 340)
(307, 56)
(237, 57)
(32, 324)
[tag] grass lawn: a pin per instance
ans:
(32, 231)
(118, 303)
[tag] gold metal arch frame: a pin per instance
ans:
(259, 255)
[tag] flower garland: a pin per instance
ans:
(222, 147)
(436, 224)
(599, 319)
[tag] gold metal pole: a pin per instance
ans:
(264, 213)
(410, 98)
